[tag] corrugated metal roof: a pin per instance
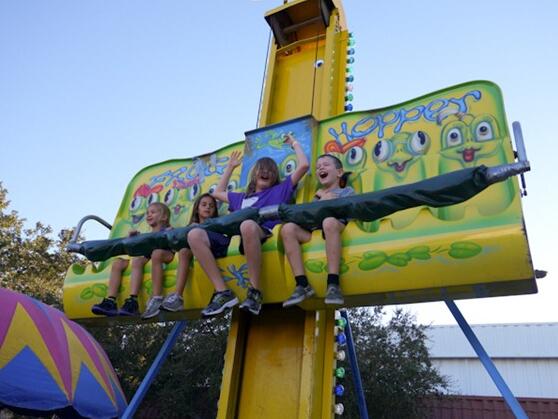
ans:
(467, 407)
(514, 340)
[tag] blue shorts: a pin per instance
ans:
(218, 243)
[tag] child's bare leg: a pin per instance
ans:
(118, 267)
(252, 234)
(293, 236)
(332, 230)
(136, 277)
(158, 257)
(184, 258)
(200, 246)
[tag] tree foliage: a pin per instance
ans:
(188, 384)
(393, 357)
(394, 364)
(31, 261)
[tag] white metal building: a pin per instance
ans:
(525, 354)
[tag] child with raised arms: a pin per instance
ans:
(333, 182)
(264, 188)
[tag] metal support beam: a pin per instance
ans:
(154, 370)
(508, 396)
(363, 410)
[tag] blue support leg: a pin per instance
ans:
(154, 370)
(508, 396)
(363, 410)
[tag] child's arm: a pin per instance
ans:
(302, 162)
(220, 192)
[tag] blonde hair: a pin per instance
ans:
(164, 210)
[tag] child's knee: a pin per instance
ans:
(139, 262)
(249, 229)
(119, 265)
(196, 236)
(288, 230)
(332, 225)
(156, 255)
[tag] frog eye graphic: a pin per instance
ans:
(194, 191)
(483, 132)
(153, 197)
(382, 151)
(136, 203)
(454, 138)
(212, 188)
(355, 155)
(169, 196)
(233, 184)
(289, 166)
(419, 143)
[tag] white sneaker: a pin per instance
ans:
(153, 307)
(173, 302)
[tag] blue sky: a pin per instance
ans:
(93, 91)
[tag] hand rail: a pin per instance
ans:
(72, 244)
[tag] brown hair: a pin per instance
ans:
(265, 163)
(338, 165)
(195, 217)
(164, 210)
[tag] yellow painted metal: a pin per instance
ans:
(306, 77)
(232, 369)
(279, 365)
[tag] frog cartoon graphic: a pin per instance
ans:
(179, 199)
(399, 160)
(353, 155)
(133, 213)
(468, 141)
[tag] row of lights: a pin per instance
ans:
(339, 372)
(349, 78)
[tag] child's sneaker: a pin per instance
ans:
(129, 308)
(153, 307)
(173, 302)
(300, 294)
(333, 295)
(253, 302)
(219, 302)
(107, 307)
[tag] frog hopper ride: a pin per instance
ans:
(440, 191)
(470, 244)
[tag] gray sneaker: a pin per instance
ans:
(253, 302)
(300, 294)
(219, 302)
(153, 307)
(333, 295)
(173, 302)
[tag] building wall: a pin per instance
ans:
(526, 355)
(525, 377)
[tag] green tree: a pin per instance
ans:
(31, 261)
(396, 371)
(188, 384)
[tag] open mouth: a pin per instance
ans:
(469, 154)
(137, 218)
(399, 167)
(322, 175)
